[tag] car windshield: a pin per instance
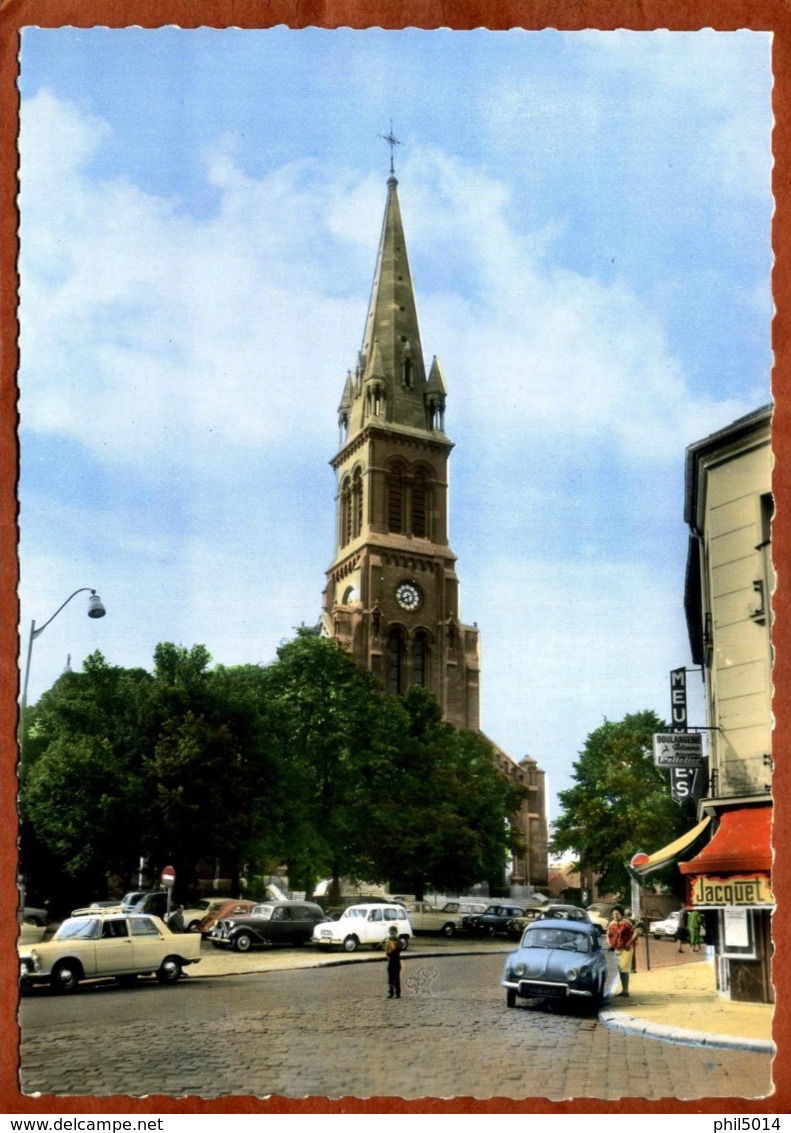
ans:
(356, 913)
(82, 928)
(565, 939)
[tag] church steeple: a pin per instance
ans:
(390, 381)
(392, 594)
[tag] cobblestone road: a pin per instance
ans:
(332, 1032)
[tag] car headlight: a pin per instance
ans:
(520, 969)
(35, 961)
(572, 974)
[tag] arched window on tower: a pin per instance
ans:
(420, 505)
(345, 514)
(395, 660)
(395, 498)
(357, 503)
(420, 659)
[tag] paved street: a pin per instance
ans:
(332, 1032)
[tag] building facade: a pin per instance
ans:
(729, 585)
(392, 592)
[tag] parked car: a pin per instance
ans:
(91, 947)
(364, 924)
(129, 900)
(559, 960)
(565, 913)
(517, 925)
(153, 904)
(428, 918)
(113, 906)
(194, 914)
(600, 912)
(31, 915)
(493, 922)
(667, 927)
(281, 922)
(228, 908)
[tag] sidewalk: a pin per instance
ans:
(677, 1001)
(681, 1003)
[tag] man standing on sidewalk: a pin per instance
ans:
(621, 936)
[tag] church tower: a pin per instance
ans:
(392, 594)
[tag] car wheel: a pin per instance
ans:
(404, 940)
(243, 942)
(449, 929)
(350, 944)
(170, 970)
(491, 930)
(126, 981)
(66, 977)
(510, 997)
(193, 926)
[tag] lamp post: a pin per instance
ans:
(95, 610)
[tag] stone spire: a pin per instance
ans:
(390, 381)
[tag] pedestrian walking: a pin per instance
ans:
(393, 955)
(621, 937)
(682, 932)
(694, 926)
(176, 919)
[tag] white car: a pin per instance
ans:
(667, 927)
(364, 924)
(101, 945)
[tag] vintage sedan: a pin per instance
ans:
(281, 922)
(227, 908)
(364, 924)
(560, 960)
(93, 947)
(493, 921)
(667, 928)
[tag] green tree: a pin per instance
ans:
(327, 714)
(620, 803)
(81, 792)
(437, 806)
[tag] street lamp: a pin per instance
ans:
(95, 610)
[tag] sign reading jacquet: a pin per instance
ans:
(735, 891)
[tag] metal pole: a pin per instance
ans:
(27, 666)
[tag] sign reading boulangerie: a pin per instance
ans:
(677, 749)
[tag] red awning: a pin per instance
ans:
(742, 844)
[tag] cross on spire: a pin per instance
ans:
(392, 141)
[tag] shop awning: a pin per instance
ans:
(647, 863)
(742, 844)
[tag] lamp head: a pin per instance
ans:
(95, 607)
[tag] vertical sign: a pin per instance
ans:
(678, 700)
(686, 783)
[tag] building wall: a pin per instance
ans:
(735, 486)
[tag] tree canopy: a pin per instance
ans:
(305, 761)
(620, 803)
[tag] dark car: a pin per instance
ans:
(281, 922)
(493, 922)
(560, 960)
(153, 904)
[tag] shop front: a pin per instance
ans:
(729, 881)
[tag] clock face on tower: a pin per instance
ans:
(408, 595)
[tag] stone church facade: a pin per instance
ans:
(392, 593)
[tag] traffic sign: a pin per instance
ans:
(168, 877)
(678, 749)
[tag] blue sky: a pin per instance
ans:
(588, 222)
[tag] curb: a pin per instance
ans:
(633, 1025)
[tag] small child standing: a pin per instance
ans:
(393, 954)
